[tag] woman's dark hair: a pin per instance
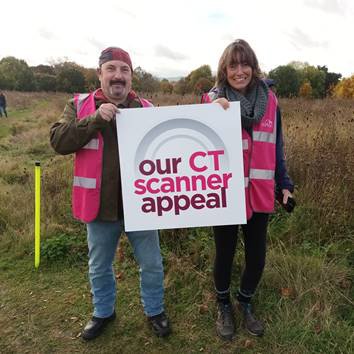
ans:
(237, 52)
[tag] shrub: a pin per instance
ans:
(64, 247)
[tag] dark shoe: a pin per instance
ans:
(225, 324)
(253, 326)
(95, 326)
(160, 324)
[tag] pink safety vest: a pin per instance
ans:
(86, 191)
(259, 159)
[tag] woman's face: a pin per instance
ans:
(239, 75)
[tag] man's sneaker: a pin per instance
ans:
(95, 326)
(254, 326)
(160, 324)
(225, 324)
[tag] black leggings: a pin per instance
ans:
(255, 232)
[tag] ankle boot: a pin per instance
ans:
(225, 324)
(254, 326)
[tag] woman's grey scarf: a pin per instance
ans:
(253, 104)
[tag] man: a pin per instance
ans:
(87, 128)
(2, 105)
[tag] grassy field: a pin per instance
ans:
(306, 294)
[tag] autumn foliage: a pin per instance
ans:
(305, 90)
(345, 88)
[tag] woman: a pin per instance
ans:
(239, 79)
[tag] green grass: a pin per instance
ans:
(4, 130)
(44, 310)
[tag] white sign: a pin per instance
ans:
(181, 166)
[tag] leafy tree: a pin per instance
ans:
(287, 79)
(43, 69)
(305, 90)
(331, 79)
(181, 87)
(203, 85)
(166, 86)
(15, 74)
(298, 65)
(2, 81)
(316, 78)
(45, 82)
(345, 88)
(192, 79)
(44, 77)
(91, 79)
(144, 81)
(69, 77)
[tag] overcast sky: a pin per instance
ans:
(172, 38)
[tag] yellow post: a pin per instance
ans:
(37, 217)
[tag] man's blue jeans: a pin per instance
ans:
(103, 239)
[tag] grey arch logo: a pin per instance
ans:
(185, 129)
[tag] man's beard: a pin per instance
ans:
(121, 92)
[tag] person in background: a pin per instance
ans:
(87, 128)
(3, 105)
(239, 79)
(271, 84)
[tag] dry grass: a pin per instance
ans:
(320, 152)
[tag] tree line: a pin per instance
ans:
(292, 80)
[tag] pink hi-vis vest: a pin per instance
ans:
(259, 159)
(86, 192)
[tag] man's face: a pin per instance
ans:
(116, 80)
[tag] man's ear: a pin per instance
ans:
(98, 71)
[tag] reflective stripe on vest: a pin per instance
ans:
(81, 98)
(93, 144)
(246, 181)
(264, 137)
(84, 182)
(244, 144)
(261, 174)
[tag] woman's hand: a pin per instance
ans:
(286, 195)
(223, 102)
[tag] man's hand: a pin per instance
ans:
(108, 111)
(223, 102)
